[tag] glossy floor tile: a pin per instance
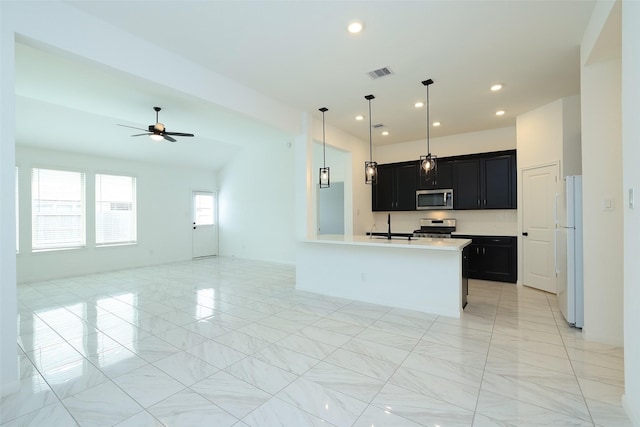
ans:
(229, 342)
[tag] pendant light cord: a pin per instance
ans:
(370, 143)
(428, 126)
(324, 153)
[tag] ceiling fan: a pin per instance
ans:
(158, 132)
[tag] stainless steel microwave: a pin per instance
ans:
(434, 199)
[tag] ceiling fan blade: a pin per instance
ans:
(178, 134)
(141, 134)
(126, 126)
(168, 138)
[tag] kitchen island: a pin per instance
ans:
(421, 274)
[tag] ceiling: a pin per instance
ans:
(299, 53)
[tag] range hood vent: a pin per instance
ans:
(380, 72)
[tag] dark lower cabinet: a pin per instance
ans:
(465, 276)
(492, 258)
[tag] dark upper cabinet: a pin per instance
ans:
(486, 181)
(466, 184)
(499, 182)
(443, 178)
(395, 187)
(479, 181)
(382, 192)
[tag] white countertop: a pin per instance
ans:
(414, 243)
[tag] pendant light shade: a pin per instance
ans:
(370, 167)
(324, 170)
(428, 163)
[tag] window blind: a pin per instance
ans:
(58, 210)
(115, 209)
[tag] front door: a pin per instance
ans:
(205, 233)
(539, 187)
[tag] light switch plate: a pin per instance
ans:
(607, 205)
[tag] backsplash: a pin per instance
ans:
(498, 222)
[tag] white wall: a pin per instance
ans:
(357, 193)
(631, 179)
(257, 203)
(548, 135)
(453, 145)
(602, 180)
(164, 212)
(571, 136)
(492, 222)
(9, 378)
(551, 133)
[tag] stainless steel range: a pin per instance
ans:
(436, 228)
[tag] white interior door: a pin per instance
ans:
(539, 187)
(205, 232)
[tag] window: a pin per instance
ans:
(203, 209)
(115, 209)
(58, 209)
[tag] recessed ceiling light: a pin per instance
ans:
(354, 27)
(359, 117)
(436, 124)
(500, 113)
(385, 133)
(419, 104)
(496, 87)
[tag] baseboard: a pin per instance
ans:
(617, 341)
(9, 388)
(633, 412)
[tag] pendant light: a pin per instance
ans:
(428, 164)
(324, 170)
(370, 167)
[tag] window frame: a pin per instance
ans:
(134, 215)
(82, 241)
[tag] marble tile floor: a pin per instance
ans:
(227, 342)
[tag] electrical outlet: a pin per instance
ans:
(608, 205)
(363, 277)
(632, 201)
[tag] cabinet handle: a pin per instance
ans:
(477, 251)
(484, 251)
(478, 202)
(485, 202)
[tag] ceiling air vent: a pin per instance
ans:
(376, 126)
(380, 72)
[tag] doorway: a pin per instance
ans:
(539, 247)
(205, 232)
(331, 209)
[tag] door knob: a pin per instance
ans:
(525, 234)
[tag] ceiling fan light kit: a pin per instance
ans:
(157, 131)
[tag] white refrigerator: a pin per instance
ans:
(569, 252)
